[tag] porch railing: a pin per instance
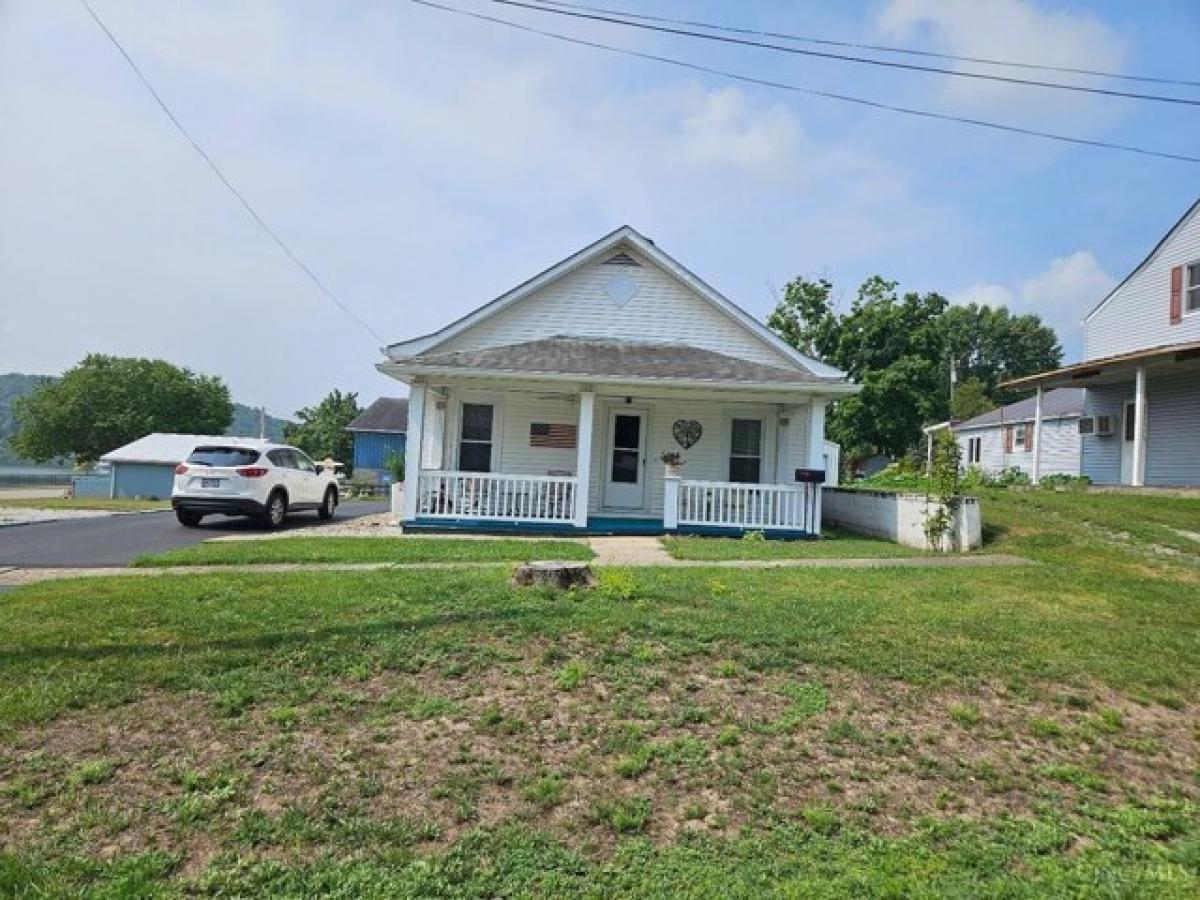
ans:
(495, 497)
(750, 507)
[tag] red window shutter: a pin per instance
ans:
(1028, 438)
(1008, 439)
(1176, 295)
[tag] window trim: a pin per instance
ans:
(761, 456)
(1188, 288)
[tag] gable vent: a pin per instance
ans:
(622, 259)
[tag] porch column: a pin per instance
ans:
(816, 455)
(816, 434)
(413, 443)
(1139, 428)
(583, 456)
(1037, 437)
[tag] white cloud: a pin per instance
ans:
(1062, 294)
(421, 165)
(1019, 30)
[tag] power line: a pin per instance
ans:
(841, 57)
(270, 232)
(784, 86)
(877, 48)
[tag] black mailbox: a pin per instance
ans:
(810, 476)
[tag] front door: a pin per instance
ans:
(1127, 429)
(625, 472)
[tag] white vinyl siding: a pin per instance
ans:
(577, 305)
(1137, 315)
(1060, 448)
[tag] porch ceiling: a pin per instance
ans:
(1114, 369)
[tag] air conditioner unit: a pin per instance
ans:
(1099, 426)
(1087, 425)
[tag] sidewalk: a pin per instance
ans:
(619, 554)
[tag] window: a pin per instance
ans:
(302, 462)
(282, 458)
(745, 451)
(974, 450)
(1022, 432)
(222, 456)
(475, 444)
(627, 449)
(1191, 292)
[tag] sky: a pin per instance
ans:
(422, 163)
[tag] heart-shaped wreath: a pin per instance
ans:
(687, 433)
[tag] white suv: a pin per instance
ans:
(251, 478)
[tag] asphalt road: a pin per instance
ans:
(116, 540)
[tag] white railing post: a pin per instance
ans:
(670, 502)
(583, 457)
(412, 450)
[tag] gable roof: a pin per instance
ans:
(624, 235)
(618, 360)
(387, 414)
(1149, 256)
(1061, 403)
(171, 449)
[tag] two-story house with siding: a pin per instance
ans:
(1141, 372)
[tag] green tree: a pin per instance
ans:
(899, 348)
(104, 402)
(971, 398)
(321, 431)
(993, 345)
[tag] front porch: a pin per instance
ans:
(525, 459)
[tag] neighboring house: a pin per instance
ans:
(378, 433)
(145, 468)
(1003, 438)
(549, 408)
(1141, 371)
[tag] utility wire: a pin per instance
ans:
(841, 57)
(270, 232)
(784, 86)
(877, 48)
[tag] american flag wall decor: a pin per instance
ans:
(560, 437)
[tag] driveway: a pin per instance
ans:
(116, 540)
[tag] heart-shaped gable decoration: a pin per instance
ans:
(687, 433)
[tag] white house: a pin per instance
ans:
(1003, 438)
(1141, 371)
(548, 409)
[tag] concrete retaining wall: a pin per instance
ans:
(899, 517)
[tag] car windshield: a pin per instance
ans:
(222, 456)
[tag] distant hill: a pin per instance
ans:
(17, 384)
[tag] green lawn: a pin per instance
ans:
(101, 503)
(365, 550)
(831, 544)
(1012, 731)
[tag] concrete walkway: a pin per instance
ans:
(615, 556)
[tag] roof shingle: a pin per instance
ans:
(387, 414)
(601, 358)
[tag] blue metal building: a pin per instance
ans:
(379, 434)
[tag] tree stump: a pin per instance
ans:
(561, 575)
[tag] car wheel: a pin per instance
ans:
(187, 518)
(328, 505)
(276, 510)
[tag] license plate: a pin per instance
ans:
(210, 482)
